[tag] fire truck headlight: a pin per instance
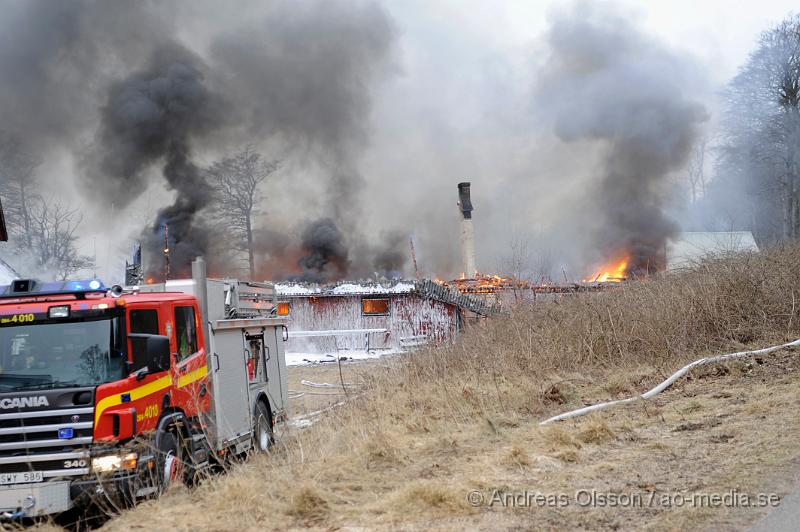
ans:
(114, 462)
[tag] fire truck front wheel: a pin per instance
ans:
(170, 463)
(263, 428)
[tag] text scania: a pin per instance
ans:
(24, 402)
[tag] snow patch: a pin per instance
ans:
(350, 288)
(347, 288)
(303, 359)
(296, 289)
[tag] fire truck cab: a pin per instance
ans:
(109, 395)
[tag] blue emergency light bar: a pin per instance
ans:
(32, 287)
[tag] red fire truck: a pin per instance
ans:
(112, 394)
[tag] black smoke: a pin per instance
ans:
(307, 71)
(58, 59)
(154, 114)
(607, 83)
(325, 253)
(189, 235)
(151, 118)
(145, 91)
(326, 256)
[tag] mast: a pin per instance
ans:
(166, 252)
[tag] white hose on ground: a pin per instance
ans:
(332, 394)
(664, 385)
(313, 384)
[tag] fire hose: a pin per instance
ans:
(667, 383)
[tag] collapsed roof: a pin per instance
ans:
(425, 288)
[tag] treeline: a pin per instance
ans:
(42, 227)
(757, 184)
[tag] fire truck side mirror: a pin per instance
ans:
(150, 351)
(158, 356)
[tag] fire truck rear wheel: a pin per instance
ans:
(171, 468)
(264, 436)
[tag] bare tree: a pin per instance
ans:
(43, 232)
(17, 173)
(695, 169)
(236, 181)
(529, 258)
(762, 119)
(516, 262)
(53, 229)
(543, 265)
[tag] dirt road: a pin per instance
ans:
(315, 388)
(785, 518)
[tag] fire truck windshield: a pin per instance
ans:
(60, 354)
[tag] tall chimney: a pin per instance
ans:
(467, 231)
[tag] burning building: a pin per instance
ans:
(507, 291)
(392, 316)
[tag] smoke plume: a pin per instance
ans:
(390, 255)
(57, 60)
(134, 99)
(325, 253)
(144, 92)
(607, 83)
(151, 118)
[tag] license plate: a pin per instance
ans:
(21, 478)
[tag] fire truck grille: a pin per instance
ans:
(44, 432)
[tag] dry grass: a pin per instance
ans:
(436, 424)
(307, 504)
(595, 430)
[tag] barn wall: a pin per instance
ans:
(413, 316)
(410, 316)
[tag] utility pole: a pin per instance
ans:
(166, 252)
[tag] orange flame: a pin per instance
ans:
(614, 271)
(487, 284)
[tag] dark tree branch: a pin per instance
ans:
(236, 181)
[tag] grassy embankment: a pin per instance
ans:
(428, 428)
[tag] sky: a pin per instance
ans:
(721, 33)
